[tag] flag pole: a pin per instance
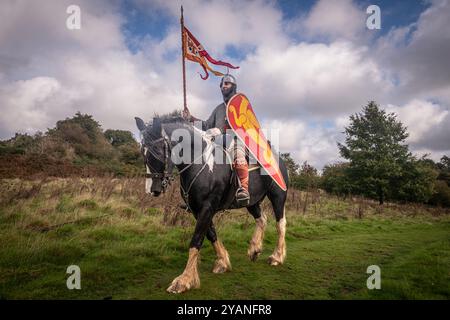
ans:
(183, 60)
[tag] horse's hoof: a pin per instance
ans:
(253, 255)
(273, 261)
(221, 266)
(182, 284)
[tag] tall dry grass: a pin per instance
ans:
(52, 202)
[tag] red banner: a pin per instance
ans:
(194, 51)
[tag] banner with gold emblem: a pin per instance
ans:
(242, 120)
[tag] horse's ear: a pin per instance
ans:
(140, 124)
(156, 127)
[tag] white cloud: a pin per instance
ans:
(308, 89)
(417, 56)
(21, 103)
(419, 117)
(220, 23)
(313, 79)
(55, 72)
(332, 20)
(306, 142)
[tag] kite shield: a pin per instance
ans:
(243, 122)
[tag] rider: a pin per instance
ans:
(218, 119)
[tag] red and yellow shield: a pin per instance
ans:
(243, 121)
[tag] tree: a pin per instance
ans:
(291, 165)
(119, 137)
(444, 164)
(417, 182)
(19, 144)
(84, 121)
(84, 135)
(335, 179)
(307, 178)
(444, 169)
(441, 194)
(376, 150)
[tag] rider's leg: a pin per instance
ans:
(241, 167)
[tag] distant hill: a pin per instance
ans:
(76, 146)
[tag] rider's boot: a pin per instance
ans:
(242, 194)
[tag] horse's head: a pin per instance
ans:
(155, 147)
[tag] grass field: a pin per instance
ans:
(130, 246)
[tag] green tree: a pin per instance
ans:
(119, 137)
(441, 194)
(84, 135)
(417, 182)
(335, 179)
(308, 178)
(444, 169)
(19, 144)
(291, 165)
(375, 146)
(85, 121)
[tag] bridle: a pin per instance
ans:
(166, 176)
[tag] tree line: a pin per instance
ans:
(378, 164)
(75, 146)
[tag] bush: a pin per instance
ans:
(335, 179)
(441, 195)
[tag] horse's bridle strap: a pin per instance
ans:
(165, 176)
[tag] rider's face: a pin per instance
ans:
(226, 87)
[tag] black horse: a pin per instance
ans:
(207, 187)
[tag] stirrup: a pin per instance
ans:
(243, 199)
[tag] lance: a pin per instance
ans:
(183, 61)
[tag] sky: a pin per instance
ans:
(305, 65)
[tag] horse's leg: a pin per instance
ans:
(256, 243)
(222, 263)
(189, 278)
(278, 198)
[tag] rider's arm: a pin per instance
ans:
(208, 124)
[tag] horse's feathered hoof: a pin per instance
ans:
(253, 255)
(184, 283)
(219, 267)
(222, 265)
(274, 261)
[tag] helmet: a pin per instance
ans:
(228, 78)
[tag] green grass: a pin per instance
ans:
(132, 254)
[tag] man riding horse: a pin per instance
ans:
(218, 119)
(207, 192)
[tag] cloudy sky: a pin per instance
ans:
(305, 65)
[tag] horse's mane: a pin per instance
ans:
(172, 119)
